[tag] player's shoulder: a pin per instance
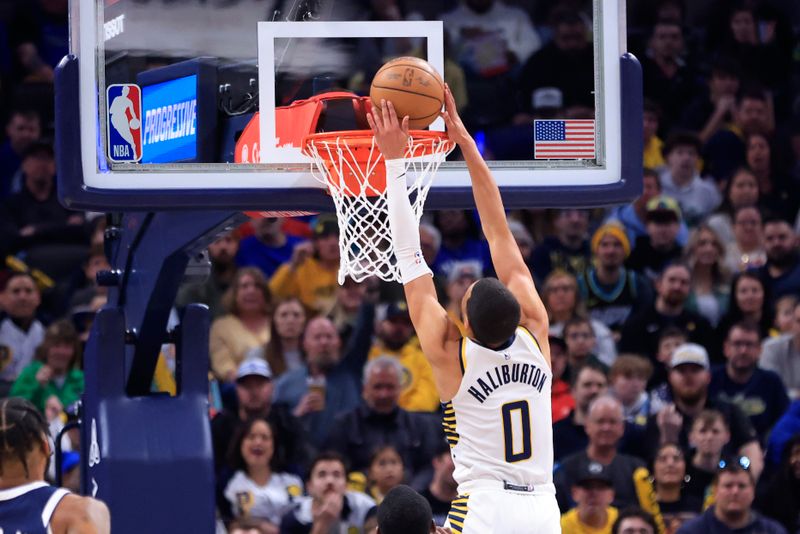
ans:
(81, 515)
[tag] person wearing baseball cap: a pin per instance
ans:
(609, 290)
(689, 378)
(660, 246)
(593, 491)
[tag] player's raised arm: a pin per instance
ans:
(437, 334)
(508, 263)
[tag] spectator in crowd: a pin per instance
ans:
(669, 503)
(562, 402)
(33, 217)
(23, 128)
(462, 275)
(732, 511)
(709, 112)
(460, 242)
(780, 499)
(641, 331)
(689, 378)
(784, 316)
(327, 384)
(610, 291)
(56, 370)
(312, 271)
(329, 504)
(396, 338)
(85, 287)
(567, 250)
(740, 191)
(634, 521)
(282, 352)
(379, 421)
(708, 438)
(523, 238)
(757, 392)
(258, 488)
(569, 434)
(667, 78)
(581, 344)
(254, 394)
(268, 248)
(659, 247)
(775, 187)
(593, 491)
(20, 331)
(349, 297)
(782, 355)
(562, 300)
(749, 303)
(725, 150)
(248, 304)
(710, 277)
(443, 488)
(669, 339)
(628, 379)
(605, 426)
(680, 179)
(385, 472)
(746, 251)
(633, 216)
(564, 63)
(653, 153)
(210, 292)
(783, 431)
(781, 274)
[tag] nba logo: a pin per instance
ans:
(124, 122)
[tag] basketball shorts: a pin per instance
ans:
(499, 511)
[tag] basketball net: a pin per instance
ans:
(351, 166)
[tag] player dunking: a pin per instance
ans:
(495, 381)
(27, 503)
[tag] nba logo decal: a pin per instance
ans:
(124, 103)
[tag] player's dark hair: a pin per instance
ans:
(404, 511)
(327, 456)
(22, 428)
(493, 312)
(634, 511)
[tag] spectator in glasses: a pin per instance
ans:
(733, 509)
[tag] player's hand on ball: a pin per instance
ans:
(456, 130)
(391, 135)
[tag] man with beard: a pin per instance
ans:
(641, 331)
(223, 268)
(396, 338)
(379, 421)
(329, 507)
(327, 384)
(781, 273)
(689, 378)
(610, 291)
(268, 247)
(568, 250)
(759, 393)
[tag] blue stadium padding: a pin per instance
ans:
(149, 458)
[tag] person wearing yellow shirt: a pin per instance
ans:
(311, 273)
(395, 337)
(653, 158)
(594, 492)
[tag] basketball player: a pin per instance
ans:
(495, 382)
(27, 503)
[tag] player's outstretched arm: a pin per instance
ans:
(437, 335)
(508, 263)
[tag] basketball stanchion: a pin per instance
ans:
(351, 166)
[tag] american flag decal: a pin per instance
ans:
(563, 139)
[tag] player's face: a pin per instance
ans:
(734, 493)
(327, 477)
(635, 525)
(258, 445)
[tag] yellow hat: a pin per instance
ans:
(615, 230)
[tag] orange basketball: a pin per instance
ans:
(413, 86)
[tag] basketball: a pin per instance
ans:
(413, 86)
(135, 124)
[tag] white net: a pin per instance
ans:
(352, 168)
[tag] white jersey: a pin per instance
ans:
(499, 423)
(269, 502)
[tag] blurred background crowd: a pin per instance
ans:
(675, 320)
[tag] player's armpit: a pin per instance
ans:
(81, 515)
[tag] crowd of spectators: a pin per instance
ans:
(675, 320)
